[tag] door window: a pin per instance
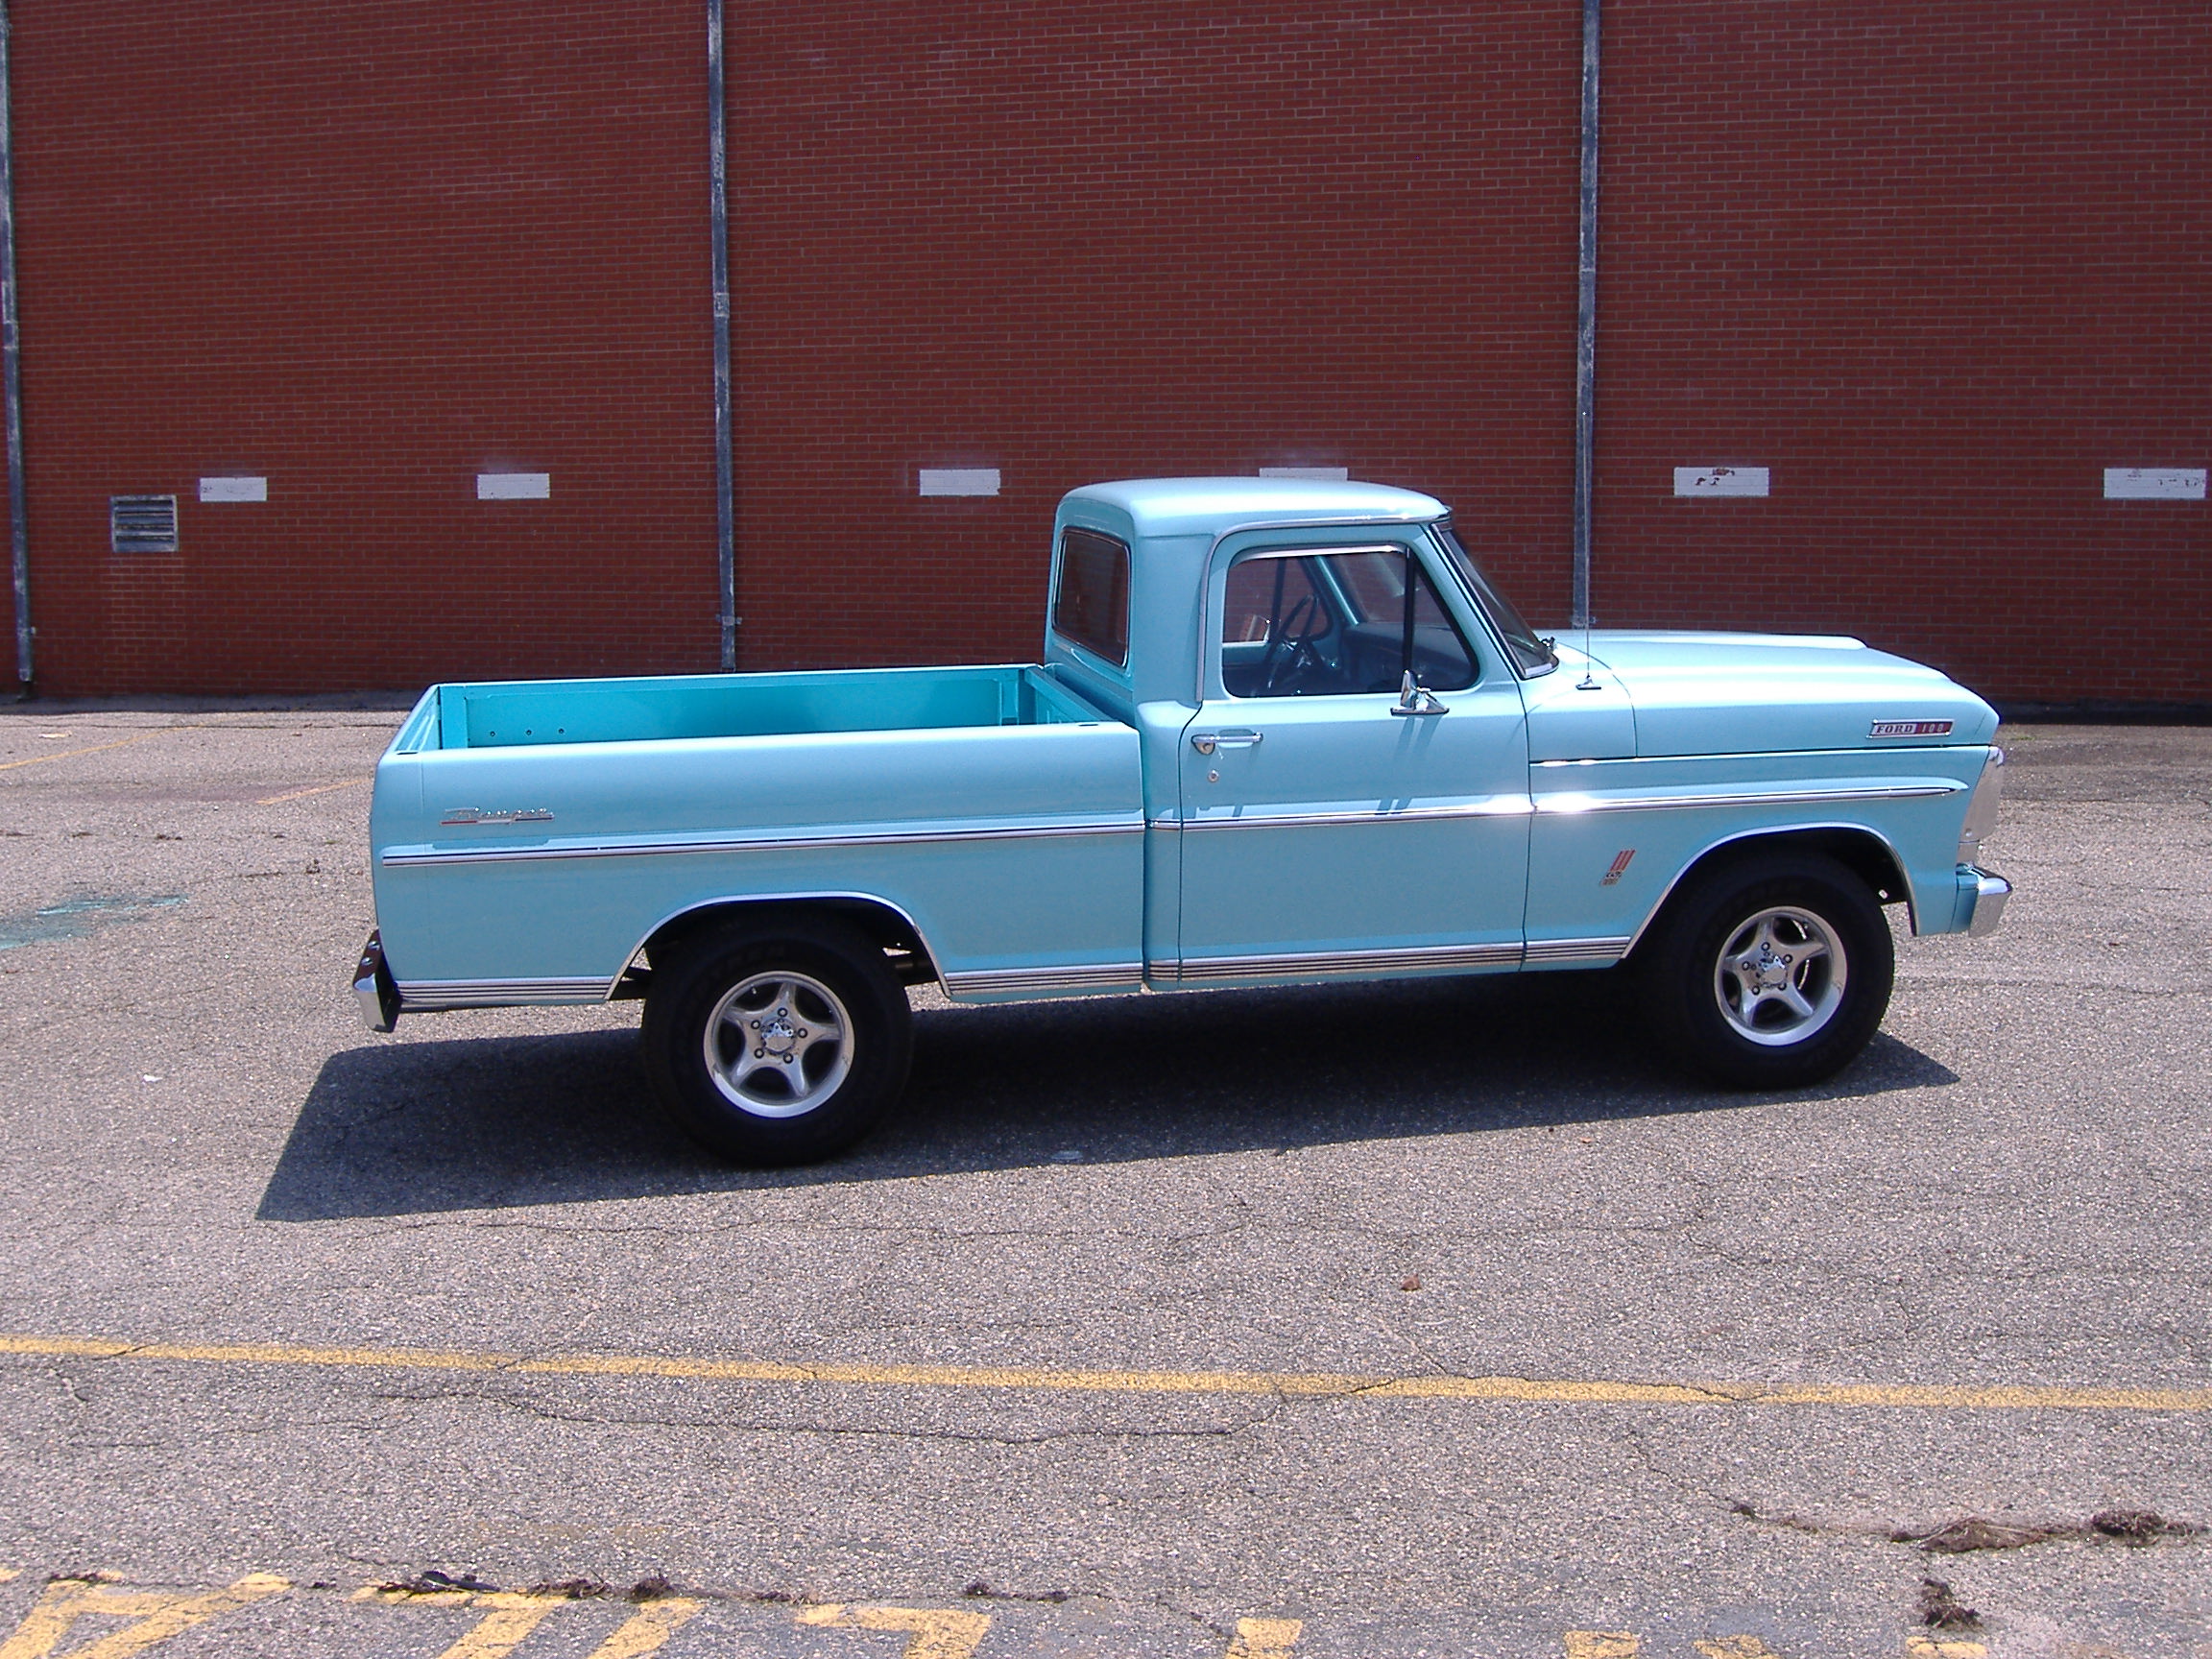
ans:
(1321, 624)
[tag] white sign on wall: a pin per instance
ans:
(1321, 474)
(959, 481)
(233, 489)
(1720, 480)
(514, 486)
(2153, 483)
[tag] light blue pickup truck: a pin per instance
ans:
(1284, 732)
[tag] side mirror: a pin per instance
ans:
(1414, 698)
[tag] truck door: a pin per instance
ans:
(1332, 823)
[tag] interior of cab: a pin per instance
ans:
(1335, 623)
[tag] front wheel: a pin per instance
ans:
(778, 1046)
(1769, 974)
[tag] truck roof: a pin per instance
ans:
(1210, 506)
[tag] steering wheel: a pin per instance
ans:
(1290, 652)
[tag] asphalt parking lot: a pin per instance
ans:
(1404, 1320)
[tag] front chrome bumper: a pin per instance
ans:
(1982, 895)
(375, 990)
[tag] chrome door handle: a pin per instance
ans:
(1206, 742)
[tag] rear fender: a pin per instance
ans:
(912, 961)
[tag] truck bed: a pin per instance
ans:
(529, 838)
(509, 714)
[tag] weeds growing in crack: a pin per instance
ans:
(432, 1582)
(1940, 1610)
(976, 1589)
(2136, 1529)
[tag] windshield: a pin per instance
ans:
(1531, 654)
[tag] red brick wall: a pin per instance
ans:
(365, 251)
(1936, 268)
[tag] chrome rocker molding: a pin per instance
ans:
(1542, 951)
(431, 995)
(415, 857)
(1442, 957)
(1000, 981)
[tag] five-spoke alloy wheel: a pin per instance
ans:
(1770, 972)
(777, 1045)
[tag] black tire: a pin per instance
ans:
(812, 1039)
(1768, 971)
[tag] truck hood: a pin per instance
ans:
(1696, 694)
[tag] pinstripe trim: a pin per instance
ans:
(773, 841)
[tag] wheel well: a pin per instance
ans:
(904, 952)
(1859, 851)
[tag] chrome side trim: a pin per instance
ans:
(1569, 803)
(1491, 807)
(769, 842)
(1608, 950)
(427, 996)
(1308, 962)
(1766, 756)
(1098, 976)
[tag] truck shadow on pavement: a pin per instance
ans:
(461, 1123)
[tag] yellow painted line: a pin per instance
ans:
(96, 749)
(1531, 1391)
(302, 794)
(648, 1629)
(158, 1615)
(1265, 1638)
(938, 1632)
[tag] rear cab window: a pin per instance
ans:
(1091, 603)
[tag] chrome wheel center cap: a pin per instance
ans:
(1766, 969)
(777, 1034)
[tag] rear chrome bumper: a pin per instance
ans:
(1982, 895)
(374, 991)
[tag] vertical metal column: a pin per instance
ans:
(725, 490)
(11, 367)
(1586, 319)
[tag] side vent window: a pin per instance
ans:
(142, 524)
(1092, 609)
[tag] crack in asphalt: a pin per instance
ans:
(594, 1419)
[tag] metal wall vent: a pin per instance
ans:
(142, 524)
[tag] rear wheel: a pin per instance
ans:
(1770, 973)
(778, 1045)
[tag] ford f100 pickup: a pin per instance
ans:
(1283, 731)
